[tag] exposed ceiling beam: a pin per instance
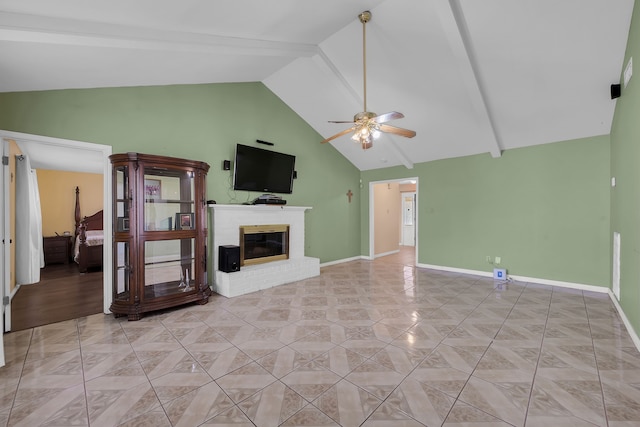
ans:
(455, 28)
(47, 30)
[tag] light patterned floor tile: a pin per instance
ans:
(49, 407)
(364, 347)
(100, 359)
(310, 416)
(333, 332)
(218, 364)
(507, 364)
(194, 333)
(310, 380)
(283, 361)
(312, 346)
(377, 331)
(197, 406)
(423, 403)
(272, 405)
(446, 379)
(178, 383)
(121, 399)
(245, 381)
(505, 400)
(387, 415)
(563, 393)
(232, 417)
(462, 358)
(340, 360)
(463, 415)
(622, 401)
(153, 418)
(147, 332)
(16, 346)
(177, 361)
(340, 343)
(399, 359)
(375, 378)
(347, 404)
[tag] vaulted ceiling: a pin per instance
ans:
(470, 76)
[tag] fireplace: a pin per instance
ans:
(263, 243)
(227, 220)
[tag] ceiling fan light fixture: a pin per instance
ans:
(367, 126)
(366, 142)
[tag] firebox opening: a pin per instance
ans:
(263, 243)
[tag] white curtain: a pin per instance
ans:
(29, 250)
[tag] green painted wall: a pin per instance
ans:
(625, 197)
(205, 122)
(544, 210)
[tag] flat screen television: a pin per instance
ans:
(262, 170)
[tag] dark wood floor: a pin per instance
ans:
(62, 294)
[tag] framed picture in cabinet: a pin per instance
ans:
(152, 189)
(123, 224)
(184, 221)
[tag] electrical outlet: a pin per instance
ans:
(488, 259)
(497, 260)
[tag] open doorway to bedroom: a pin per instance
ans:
(393, 221)
(63, 292)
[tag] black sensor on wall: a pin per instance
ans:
(226, 165)
(616, 91)
(264, 142)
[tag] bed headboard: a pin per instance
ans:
(93, 222)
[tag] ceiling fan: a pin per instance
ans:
(367, 125)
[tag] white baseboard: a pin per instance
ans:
(341, 261)
(580, 286)
(630, 329)
(397, 251)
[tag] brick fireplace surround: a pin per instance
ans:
(226, 223)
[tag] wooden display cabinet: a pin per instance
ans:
(160, 233)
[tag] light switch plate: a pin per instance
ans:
(628, 72)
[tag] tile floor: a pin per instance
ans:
(366, 343)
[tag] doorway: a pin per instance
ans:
(67, 155)
(408, 219)
(380, 203)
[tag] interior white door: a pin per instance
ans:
(5, 318)
(408, 219)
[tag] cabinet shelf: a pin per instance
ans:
(167, 201)
(154, 258)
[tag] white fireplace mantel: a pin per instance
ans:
(226, 222)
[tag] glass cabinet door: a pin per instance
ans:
(121, 265)
(169, 267)
(123, 201)
(168, 200)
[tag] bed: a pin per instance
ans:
(89, 239)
